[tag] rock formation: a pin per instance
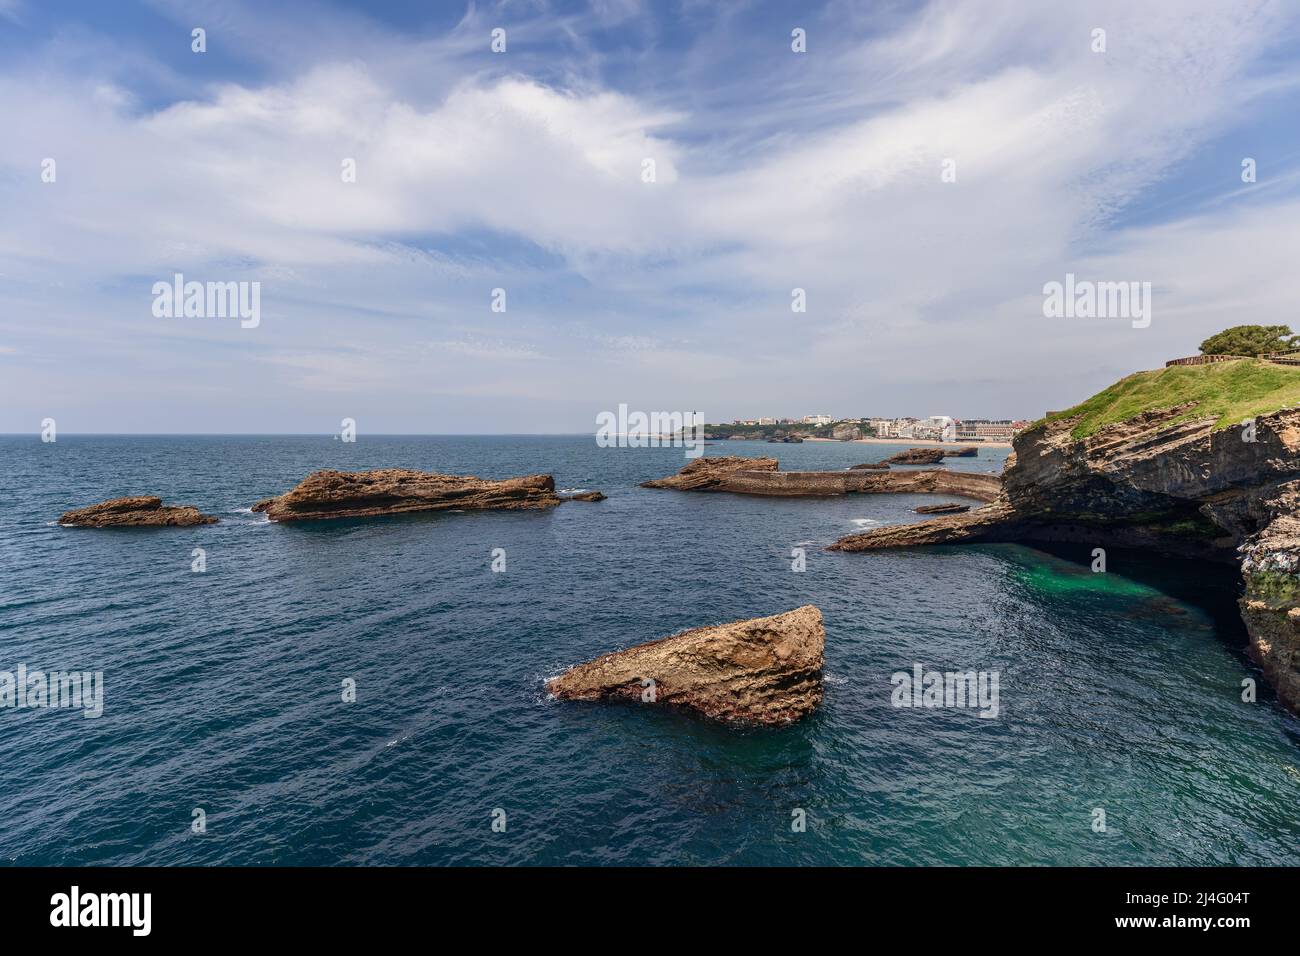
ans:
(966, 451)
(141, 511)
(916, 456)
(766, 671)
(584, 496)
(387, 491)
(1180, 487)
(949, 509)
(846, 432)
(759, 476)
(870, 466)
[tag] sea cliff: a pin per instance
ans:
(1177, 480)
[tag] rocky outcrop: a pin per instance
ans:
(949, 509)
(846, 432)
(704, 474)
(388, 491)
(764, 671)
(870, 466)
(966, 451)
(141, 511)
(759, 476)
(584, 496)
(1183, 488)
(916, 456)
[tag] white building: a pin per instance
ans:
(817, 420)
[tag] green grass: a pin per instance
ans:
(1229, 391)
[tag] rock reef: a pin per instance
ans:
(765, 671)
(760, 476)
(916, 456)
(388, 491)
(948, 509)
(1163, 483)
(140, 511)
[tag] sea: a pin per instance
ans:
(371, 692)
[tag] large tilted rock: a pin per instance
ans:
(766, 671)
(387, 491)
(141, 511)
(759, 476)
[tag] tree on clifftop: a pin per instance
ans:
(1250, 340)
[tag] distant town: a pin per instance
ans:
(941, 428)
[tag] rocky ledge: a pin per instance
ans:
(764, 671)
(388, 491)
(759, 476)
(916, 456)
(948, 509)
(1160, 482)
(140, 511)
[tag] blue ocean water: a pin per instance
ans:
(223, 689)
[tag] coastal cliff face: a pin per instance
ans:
(1163, 482)
(139, 511)
(360, 494)
(759, 476)
(764, 671)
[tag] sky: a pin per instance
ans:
(525, 171)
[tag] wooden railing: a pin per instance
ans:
(1204, 359)
(1287, 357)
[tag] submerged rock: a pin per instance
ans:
(140, 511)
(387, 491)
(766, 671)
(585, 496)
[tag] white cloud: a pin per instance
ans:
(676, 288)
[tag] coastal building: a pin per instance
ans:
(816, 420)
(982, 429)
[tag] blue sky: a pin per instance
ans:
(522, 170)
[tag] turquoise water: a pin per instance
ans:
(223, 689)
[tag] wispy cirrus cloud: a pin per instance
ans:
(524, 171)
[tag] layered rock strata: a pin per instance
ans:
(759, 476)
(140, 511)
(1183, 488)
(388, 491)
(764, 671)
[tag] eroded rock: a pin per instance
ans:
(765, 671)
(387, 491)
(140, 511)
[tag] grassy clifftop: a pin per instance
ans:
(1230, 391)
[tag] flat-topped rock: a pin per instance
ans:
(948, 509)
(387, 491)
(917, 456)
(760, 476)
(870, 466)
(765, 671)
(704, 474)
(138, 511)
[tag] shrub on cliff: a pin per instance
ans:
(1250, 340)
